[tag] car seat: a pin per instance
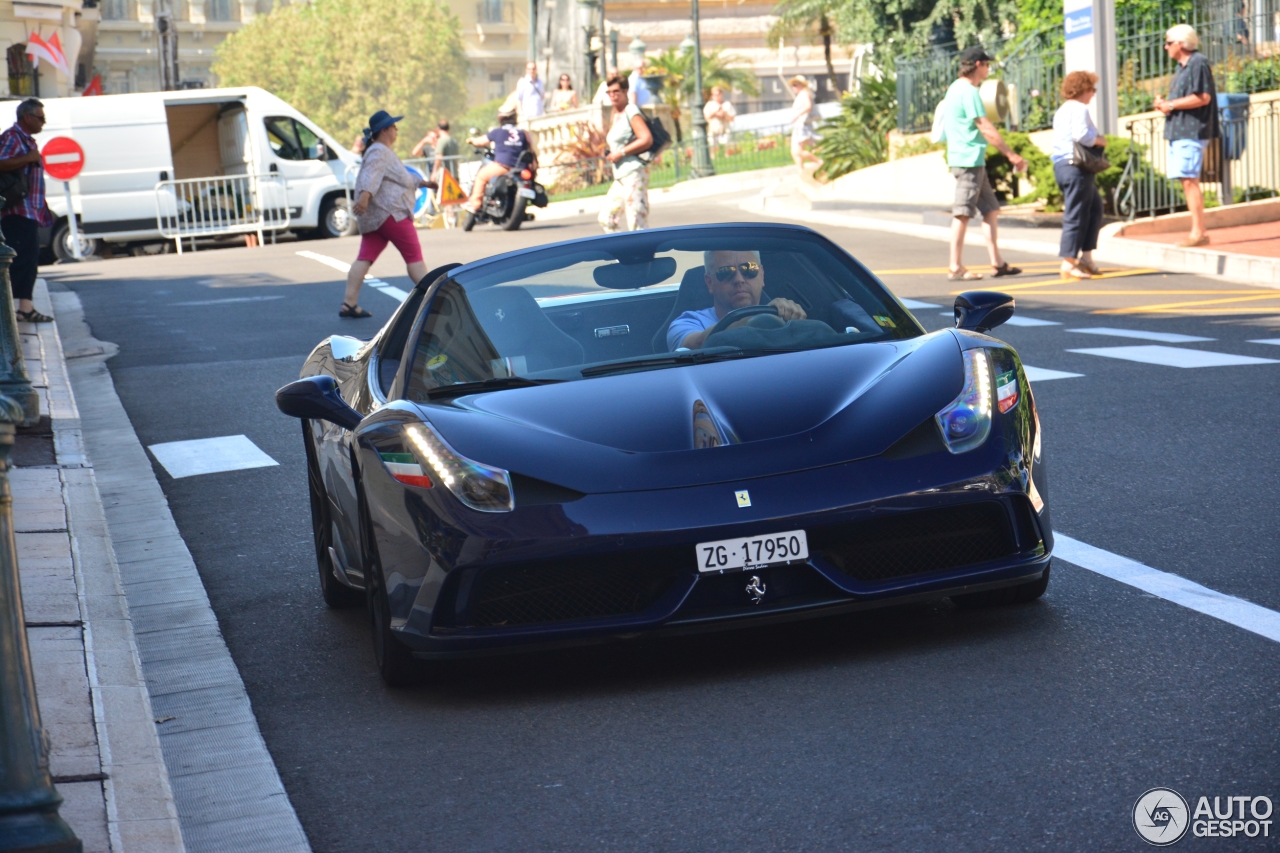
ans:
(516, 324)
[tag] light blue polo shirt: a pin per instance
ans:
(687, 323)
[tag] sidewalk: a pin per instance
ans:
(104, 751)
(154, 744)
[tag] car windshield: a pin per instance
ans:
(647, 301)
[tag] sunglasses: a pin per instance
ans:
(1166, 44)
(749, 270)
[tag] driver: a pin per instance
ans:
(508, 143)
(735, 280)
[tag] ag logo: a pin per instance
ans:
(1160, 816)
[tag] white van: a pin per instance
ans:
(134, 142)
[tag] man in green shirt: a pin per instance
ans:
(968, 130)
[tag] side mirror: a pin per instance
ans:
(982, 310)
(316, 398)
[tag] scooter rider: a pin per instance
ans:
(508, 143)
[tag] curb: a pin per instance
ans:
(682, 191)
(136, 799)
(1239, 269)
(226, 791)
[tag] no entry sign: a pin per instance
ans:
(63, 158)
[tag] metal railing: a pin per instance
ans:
(214, 207)
(1243, 46)
(733, 152)
(1247, 169)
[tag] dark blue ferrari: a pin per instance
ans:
(665, 431)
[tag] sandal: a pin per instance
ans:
(32, 316)
(1004, 270)
(1090, 268)
(963, 274)
(1074, 269)
(354, 311)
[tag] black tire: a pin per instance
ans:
(143, 250)
(1020, 594)
(396, 664)
(516, 219)
(61, 243)
(336, 594)
(335, 219)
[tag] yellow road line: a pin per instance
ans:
(1142, 292)
(945, 270)
(1165, 306)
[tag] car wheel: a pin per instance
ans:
(62, 243)
(396, 664)
(336, 594)
(336, 219)
(1019, 594)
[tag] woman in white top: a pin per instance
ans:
(803, 114)
(1081, 202)
(626, 207)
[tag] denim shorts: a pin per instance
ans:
(1186, 156)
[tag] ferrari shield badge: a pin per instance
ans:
(744, 498)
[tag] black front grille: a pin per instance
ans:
(572, 589)
(898, 545)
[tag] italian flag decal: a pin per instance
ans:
(1007, 390)
(405, 468)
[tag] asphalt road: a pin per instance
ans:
(917, 728)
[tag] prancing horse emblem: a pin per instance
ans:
(499, 315)
(756, 589)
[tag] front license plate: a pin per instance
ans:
(528, 193)
(752, 552)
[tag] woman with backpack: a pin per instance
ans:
(626, 207)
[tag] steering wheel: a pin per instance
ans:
(741, 314)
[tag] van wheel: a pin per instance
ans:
(142, 250)
(335, 219)
(62, 247)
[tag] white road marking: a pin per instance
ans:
(344, 267)
(210, 456)
(1175, 588)
(1163, 337)
(1020, 320)
(1043, 374)
(1174, 357)
(1275, 341)
(915, 305)
(231, 299)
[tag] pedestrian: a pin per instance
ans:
(640, 93)
(530, 93)
(1081, 201)
(426, 146)
(357, 147)
(803, 113)
(385, 194)
(1191, 122)
(601, 97)
(564, 98)
(626, 207)
(719, 114)
(24, 210)
(446, 153)
(968, 130)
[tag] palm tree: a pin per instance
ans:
(803, 15)
(676, 66)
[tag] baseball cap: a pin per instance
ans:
(975, 54)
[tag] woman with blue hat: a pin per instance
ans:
(385, 192)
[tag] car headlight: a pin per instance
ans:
(966, 422)
(481, 487)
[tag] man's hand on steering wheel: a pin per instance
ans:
(789, 310)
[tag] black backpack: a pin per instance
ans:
(661, 139)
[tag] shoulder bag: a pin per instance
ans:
(15, 186)
(1089, 159)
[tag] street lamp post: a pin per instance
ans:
(613, 48)
(702, 166)
(29, 819)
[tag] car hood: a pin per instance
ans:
(709, 423)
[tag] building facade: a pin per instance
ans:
(75, 24)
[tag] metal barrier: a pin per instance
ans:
(1241, 41)
(1250, 158)
(733, 152)
(212, 207)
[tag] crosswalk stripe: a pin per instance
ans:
(209, 456)
(344, 267)
(1140, 334)
(1174, 588)
(1174, 356)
